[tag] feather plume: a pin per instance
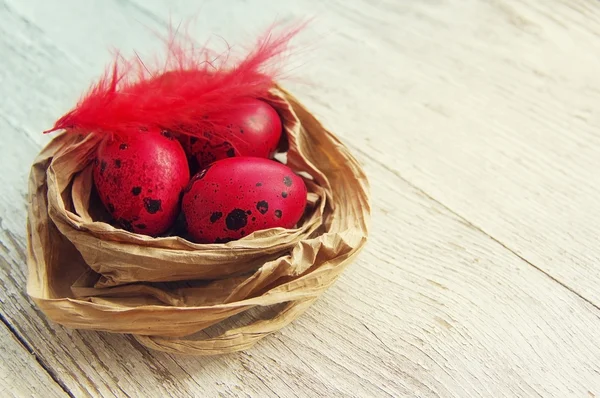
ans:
(191, 92)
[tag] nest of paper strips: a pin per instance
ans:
(85, 273)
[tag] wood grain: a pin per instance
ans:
(20, 375)
(434, 306)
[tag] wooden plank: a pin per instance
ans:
(433, 307)
(20, 375)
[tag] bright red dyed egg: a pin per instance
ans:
(234, 197)
(139, 178)
(254, 129)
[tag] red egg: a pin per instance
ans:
(234, 197)
(254, 129)
(139, 178)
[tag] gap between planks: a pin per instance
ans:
(468, 222)
(23, 342)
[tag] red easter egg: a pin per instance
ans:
(139, 178)
(253, 129)
(234, 197)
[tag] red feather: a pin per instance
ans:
(192, 92)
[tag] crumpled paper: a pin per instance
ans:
(84, 273)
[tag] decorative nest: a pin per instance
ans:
(84, 273)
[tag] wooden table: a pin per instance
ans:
(478, 123)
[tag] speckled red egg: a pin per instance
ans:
(139, 178)
(234, 197)
(254, 128)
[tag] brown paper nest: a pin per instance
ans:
(84, 273)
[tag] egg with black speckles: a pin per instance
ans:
(235, 197)
(253, 128)
(139, 177)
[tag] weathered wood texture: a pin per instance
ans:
(476, 125)
(488, 106)
(20, 375)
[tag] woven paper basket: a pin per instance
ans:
(84, 273)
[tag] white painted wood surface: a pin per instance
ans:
(20, 374)
(476, 123)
